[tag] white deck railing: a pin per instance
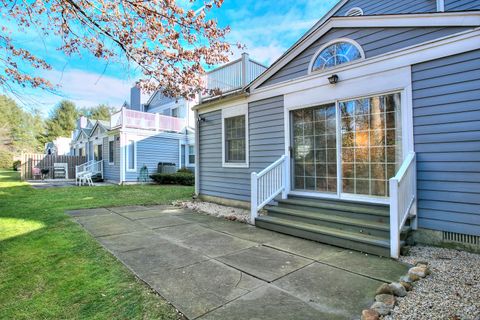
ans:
(147, 121)
(267, 184)
(82, 168)
(403, 201)
(90, 168)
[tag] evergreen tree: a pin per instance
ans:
(100, 112)
(62, 120)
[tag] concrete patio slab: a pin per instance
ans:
(200, 288)
(131, 241)
(154, 260)
(129, 209)
(88, 212)
(340, 294)
(152, 212)
(305, 248)
(162, 221)
(267, 303)
(179, 233)
(198, 217)
(106, 225)
(265, 263)
(380, 268)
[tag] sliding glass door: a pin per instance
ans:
(369, 152)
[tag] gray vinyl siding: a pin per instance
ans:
(374, 41)
(370, 7)
(446, 102)
(152, 150)
(266, 144)
(111, 171)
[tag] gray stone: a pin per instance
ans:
(88, 212)
(398, 289)
(406, 278)
(264, 263)
(384, 289)
(324, 292)
(420, 272)
(370, 314)
(202, 287)
(162, 221)
(381, 308)
(407, 285)
(388, 299)
(267, 303)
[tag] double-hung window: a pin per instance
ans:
(235, 136)
(191, 154)
(131, 155)
(111, 151)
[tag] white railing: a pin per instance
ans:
(147, 121)
(267, 184)
(403, 201)
(82, 168)
(89, 168)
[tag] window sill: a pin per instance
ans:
(111, 163)
(235, 165)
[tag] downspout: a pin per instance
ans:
(440, 5)
(197, 154)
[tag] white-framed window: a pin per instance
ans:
(131, 155)
(111, 150)
(235, 137)
(175, 112)
(335, 53)
(191, 154)
(98, 152)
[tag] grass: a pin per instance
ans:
(50, 268)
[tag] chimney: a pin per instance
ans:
(135, 95)
(245, 61)
(82, 122)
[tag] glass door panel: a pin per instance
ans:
(371, 144)
(314, 135)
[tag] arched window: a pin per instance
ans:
(336, 53)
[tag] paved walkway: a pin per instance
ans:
(211, 268)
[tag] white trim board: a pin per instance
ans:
(449, 19)
(234, 111)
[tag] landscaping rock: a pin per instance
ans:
(407, 285)
(406, 278)
(370, 314)
(398, 289)
(388, 299)
(420, 271)
(384, 289)
(382, 308)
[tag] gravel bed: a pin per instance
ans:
(451, 292)
(217, 210)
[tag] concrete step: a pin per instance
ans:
(330, 219)
(341, 238)
(348, 209)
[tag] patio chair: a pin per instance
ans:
(36, 172)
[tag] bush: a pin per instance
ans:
(16, 165)
(182, 178)
(185, 170)
(6, 159)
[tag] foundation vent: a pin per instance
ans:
(461, 238)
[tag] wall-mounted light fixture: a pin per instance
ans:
(200, 119)
(333, 79)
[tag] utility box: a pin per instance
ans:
(166, 167)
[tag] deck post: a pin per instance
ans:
(285, 176)
(253, 198)
(394, 225)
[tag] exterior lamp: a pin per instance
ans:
(333, 79)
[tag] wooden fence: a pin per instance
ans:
(43, 161)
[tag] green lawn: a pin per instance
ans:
(50, 268)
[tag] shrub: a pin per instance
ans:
(182, 178)
(6, 159)
(16, 165)
(185, 170)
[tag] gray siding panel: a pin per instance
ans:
(374, 41)
(446, 102)
(154, 149)
(406, 6)
(266, 144)
(111, 171)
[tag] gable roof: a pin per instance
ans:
(105, 125)
(467, 18)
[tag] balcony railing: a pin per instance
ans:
(133, 119)
(232, 76)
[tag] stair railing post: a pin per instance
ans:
(254, 198)
(394, 228)
(285, 177)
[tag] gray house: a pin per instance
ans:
(133, 139)
(366, 131)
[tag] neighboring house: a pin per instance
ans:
(58, 147)
(366, 129)
(133, 139)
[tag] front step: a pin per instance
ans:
(358, 226)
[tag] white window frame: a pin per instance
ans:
(111, 139)
(238, 110)
(328, 44)
(127, 155)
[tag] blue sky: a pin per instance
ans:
(267, 28)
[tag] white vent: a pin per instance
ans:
(354, 12)
(461, 238)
